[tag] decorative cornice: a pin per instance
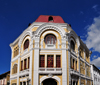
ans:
(53, 26)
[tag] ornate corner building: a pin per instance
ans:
(49, 52)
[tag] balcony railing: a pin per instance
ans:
(13, 76)
(74, 72)
(50, 70)
(24, 72)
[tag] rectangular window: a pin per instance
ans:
(50, 60)
(25, 63)
(42, 61)
(58, 61)
(73, 64)
(16, 51)
(28, 62)
(21, 65)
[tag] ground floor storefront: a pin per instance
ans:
(51, 80)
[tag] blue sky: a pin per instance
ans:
(15, 15)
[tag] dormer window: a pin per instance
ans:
(50, 39)
(50, 19)
(72, 46)
(26, 44)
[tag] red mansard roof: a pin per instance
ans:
(45, 18)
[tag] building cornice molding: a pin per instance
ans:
(52, 26)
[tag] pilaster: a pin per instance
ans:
(36, 61)
(45, 60)
(18, 71)
(54, 61)
(64, 62)
(79, 80)
(31, 58)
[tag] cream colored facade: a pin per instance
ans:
(65, 61)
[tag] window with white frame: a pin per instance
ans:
(50, 39)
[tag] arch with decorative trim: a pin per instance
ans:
(76, 39)
(50, 26)
(23, 38)
(28, 33)
(47, 77)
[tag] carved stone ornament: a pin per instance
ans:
(36, 44)
(64, 37)
(49, 27)
(50, 75)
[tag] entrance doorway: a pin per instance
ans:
(49, 82)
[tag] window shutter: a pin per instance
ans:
(21, 65)
(58, 61)
(28, 62)
(42, 61)
(50, 61)
(25, 62)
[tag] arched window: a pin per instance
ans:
(26, 44)
(72, 46)
(50, 39)
(50, 18)
(15, 69)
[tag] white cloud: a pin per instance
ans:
(93, 35)
(94, 57)
(95, 7)
(96, 62)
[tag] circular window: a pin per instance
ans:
(50, 39)
(26, 44)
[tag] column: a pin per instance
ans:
(26, 82)
(31, 58)
(36, 61)
(23, 65)
(22, 82)
(27, 63)
(85, 69)
(64, 63)
(72, 81)
(45, 60)
(69, 61)
(36, 66)
(18, 71)
(75, 82)
(54, 61)
(79, 80)
(85, 82)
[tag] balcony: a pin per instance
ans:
(15, 58)
(50, 46)
(74, 72)
(50, 70)
(13, 76)
(24, 72)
